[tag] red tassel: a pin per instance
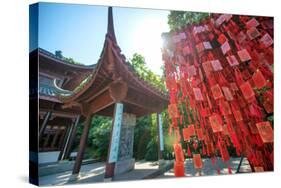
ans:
(218, 171)
(188, 151)
(229, 170)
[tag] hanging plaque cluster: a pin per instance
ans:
(219, 74)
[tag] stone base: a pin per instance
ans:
(73, 177)
(161, 163)
(124, 166)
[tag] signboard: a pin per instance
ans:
(161, 132)
(116, 132)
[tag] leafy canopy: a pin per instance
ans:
(179, 19)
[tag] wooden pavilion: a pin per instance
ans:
(114, 89)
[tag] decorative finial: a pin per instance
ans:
(110, 25)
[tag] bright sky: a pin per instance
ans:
(79, 31)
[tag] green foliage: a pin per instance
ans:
(142, 136)
(99, 136)
(71, 60)
(138, 63)
(179, 19)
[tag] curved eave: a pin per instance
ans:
(63, 62)
(91, 77)
(121, 60)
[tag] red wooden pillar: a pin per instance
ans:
(82, 145)
(113, 152)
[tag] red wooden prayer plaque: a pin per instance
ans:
(247, 90)
(178, 153)
(227, 93)
(207, 45)
(191, 70)
(244, 55)
(265, 131)
(258, 169)
(253, 33)
(197, 161)
(266, 40)
(259, 79)
(199, 133)
(222, 39)
(216, 65)
(225, 129)
(207, 67)
(237, 115)
(225, 108)
(197, 94)
(216, 123)
(186, 135)
(200, 47)
(191, 130)
(216, 91)
(179, 169)
(225, 47)
(173, 110)
(232, 60)
(252, 23)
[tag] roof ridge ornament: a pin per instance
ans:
(110, 26)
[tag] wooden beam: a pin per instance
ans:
(143, 101)
(70, 138)
(44, 124)
(99, 103)
(118, 90)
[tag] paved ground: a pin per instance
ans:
(94, 170)
(93, 173)
(209, 169)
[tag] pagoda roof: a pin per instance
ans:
(65, 63)
(113, 74)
